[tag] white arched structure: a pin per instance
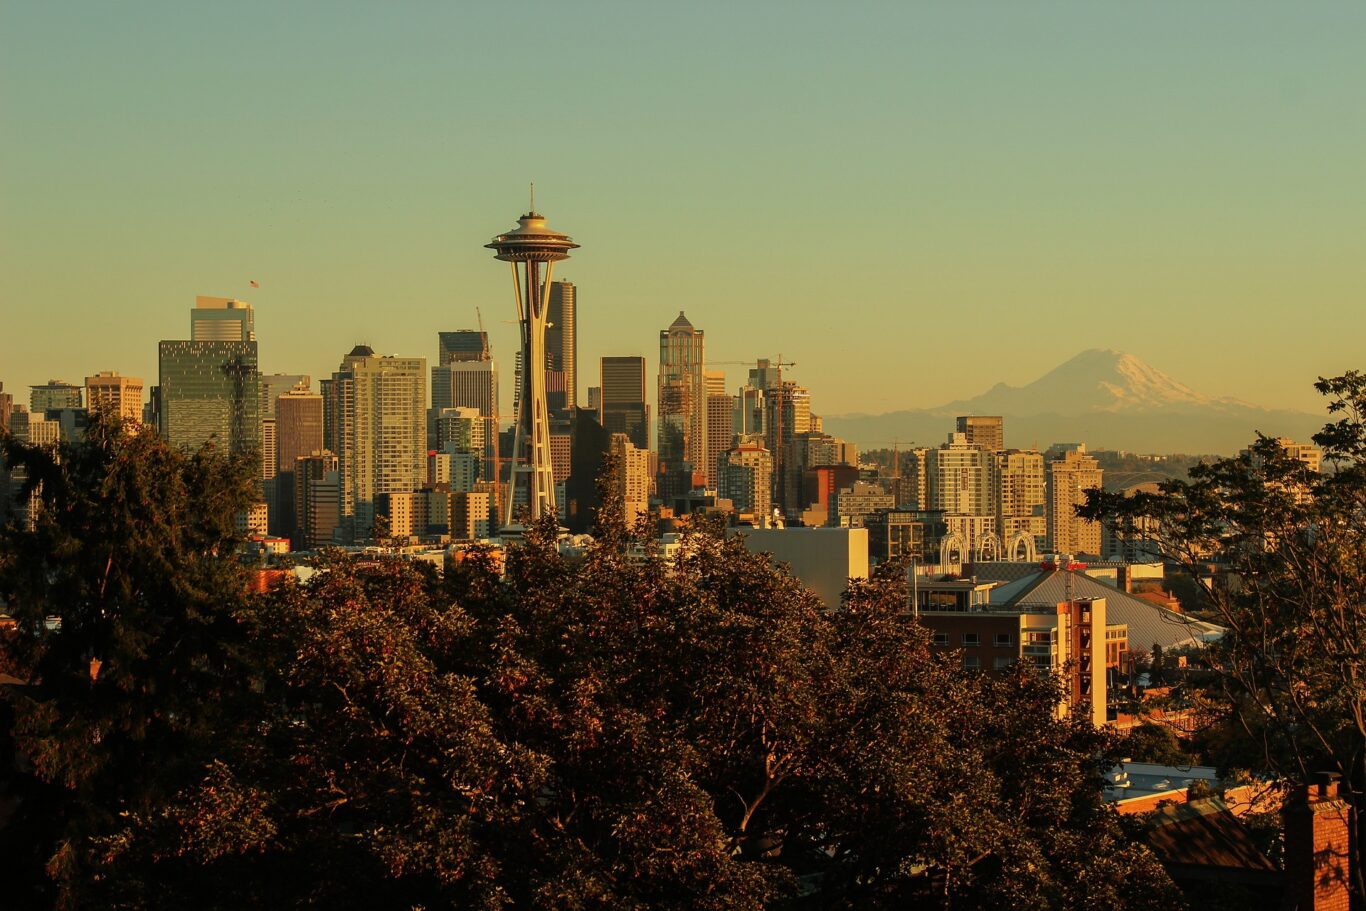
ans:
(952, 553)
(1021, 548)
(989, 548)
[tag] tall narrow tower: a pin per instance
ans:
(532, 244)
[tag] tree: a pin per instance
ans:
(1149, 742)
(1279, 553)
(616, 731)
(122, 595)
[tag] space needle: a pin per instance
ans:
(532, 243)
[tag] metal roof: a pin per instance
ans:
(1148, 623)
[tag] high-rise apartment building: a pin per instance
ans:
(375, 411)
(210, 390)
(1020, 496)
(633, 474)
(983, 431)
(682, 396)
(115, 395)
(913, 488)
(53, 396)
(746, 479)
(222, 319)
(959, 478)
(460, 430)
(1070, 475)
(562, 342)
(623, 399)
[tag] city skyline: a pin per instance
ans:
(1070, 177)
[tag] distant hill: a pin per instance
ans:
(1106, 399)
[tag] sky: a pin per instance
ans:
(911, 201)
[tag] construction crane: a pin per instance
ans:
(778, 440)
(779, 363)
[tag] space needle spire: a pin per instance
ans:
(532, 244)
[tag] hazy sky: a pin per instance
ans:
(910, 200)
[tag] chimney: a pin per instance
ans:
(1317, 827)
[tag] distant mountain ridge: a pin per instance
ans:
(1108, 399)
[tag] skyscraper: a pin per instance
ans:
(375, 412)
(462, 345)
(274, 385)
(623, 399)
(1020, 495)
(787, 416)
(222, 319)
(209, 386)
(532, 244)
(682, 396)
(720, 420)
(983, 431)
(466, 384)
(210, 391)
(562, 340)
(298, 426)
(115, 395)
(317, 500)
(959, 478)
(745, 477)
(1070, 475)
(6, 406)
(54, 395)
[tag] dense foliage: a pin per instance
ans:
(612, 731)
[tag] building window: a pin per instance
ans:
(1004, 640)
(1001, 664)
(941, 638)
(971, 662)
(972, 638)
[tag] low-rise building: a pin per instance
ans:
(1068, 640)
(823, 559)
